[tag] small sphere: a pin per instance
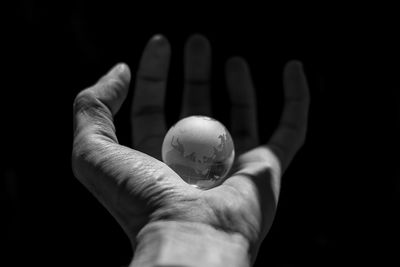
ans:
(200, 149)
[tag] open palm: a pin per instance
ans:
(138, 189)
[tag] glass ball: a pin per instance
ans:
(200, 149)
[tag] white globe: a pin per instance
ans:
(200, 149)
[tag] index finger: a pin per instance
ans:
(148, 120)
(291, 132)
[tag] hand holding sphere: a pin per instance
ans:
(140, 191)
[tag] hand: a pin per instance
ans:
(139, 190)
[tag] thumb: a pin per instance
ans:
(95, 106)
(94, 132)
(112, 88)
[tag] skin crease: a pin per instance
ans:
(137, 188)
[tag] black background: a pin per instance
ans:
(340, 197)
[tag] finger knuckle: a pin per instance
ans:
(84, 100)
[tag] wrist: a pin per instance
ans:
(172, 243)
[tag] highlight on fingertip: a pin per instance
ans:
(123, 71)
(121, 67)
(158, 37)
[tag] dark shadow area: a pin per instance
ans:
(340, 197)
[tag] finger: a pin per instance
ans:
(291, 132)
(95, 107)
(148, 120)
(124, 180)
(196, 96)
(94, 130)
(244, 109)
